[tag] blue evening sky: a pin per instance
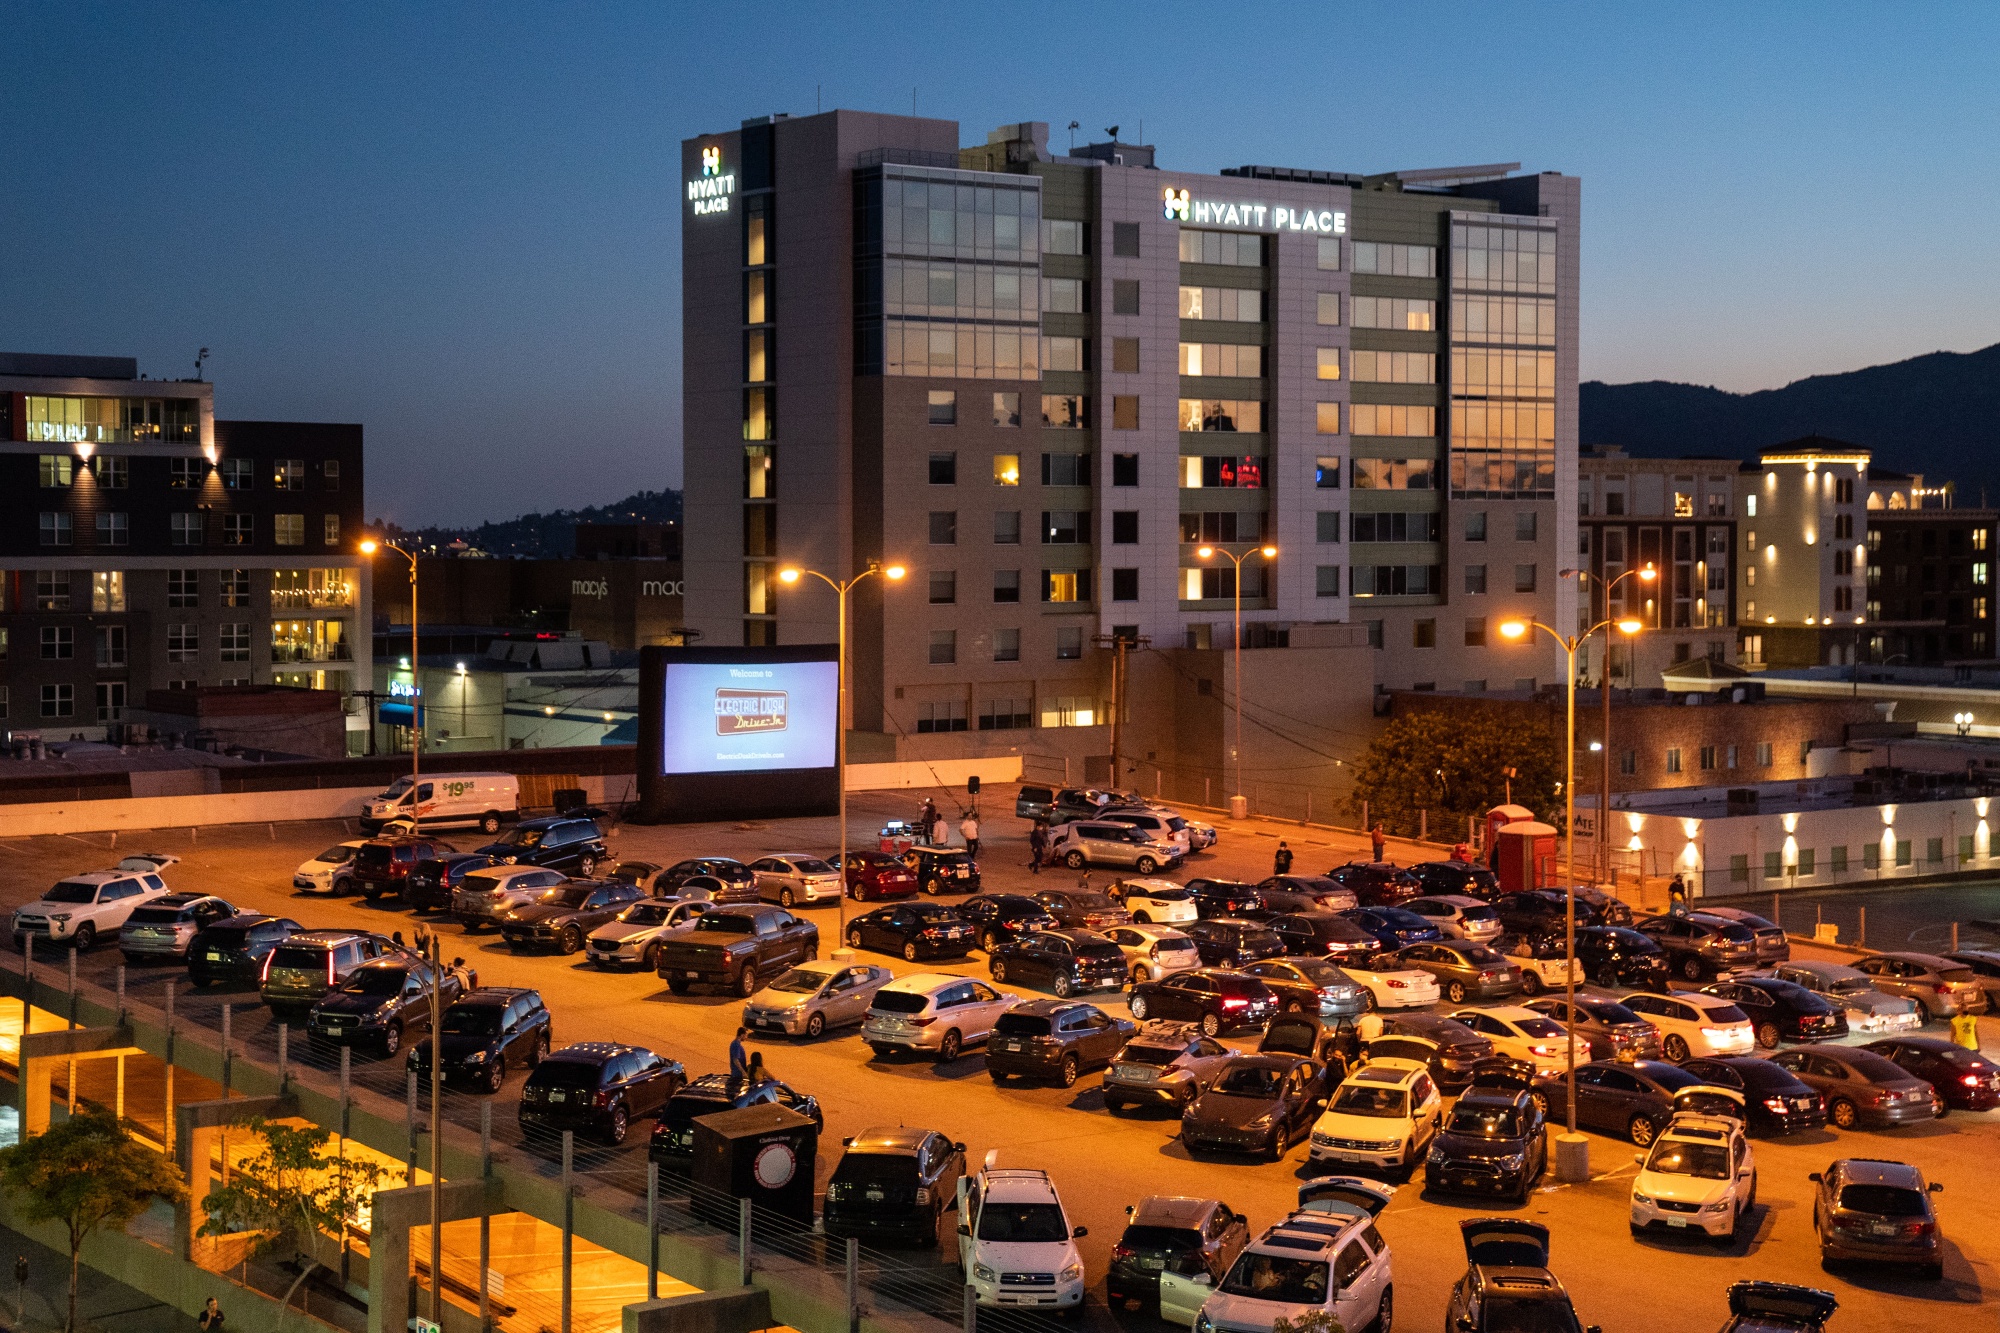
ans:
(459, 225)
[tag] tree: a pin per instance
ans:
(1454, 762)
(1312, 1321)
(85, 1173)
(290, 1190)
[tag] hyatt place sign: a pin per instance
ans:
(710, 191)
(1179, 207)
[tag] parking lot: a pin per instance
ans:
(1100, 1163)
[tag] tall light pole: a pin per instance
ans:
(1572, 1148)
(1238, 804)
(1646, 575)
(841, 588)
(369, 547)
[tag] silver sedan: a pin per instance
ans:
(795, 878)
(815, 996)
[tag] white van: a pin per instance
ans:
(444, 799)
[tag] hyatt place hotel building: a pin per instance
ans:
(1043, 381)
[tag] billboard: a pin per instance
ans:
(735, 733)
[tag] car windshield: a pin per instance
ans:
(472, 1020)
(70, 891)
(1277, 1277)
(522, 836)
(1489, 1122)
(1322, 974)
(1030, 1222)
(646, 914)
(336, 856)
(1608, 1013)
(1882, 1200)
(1704, 1161)
(1249, 1081)
(1514, 1314)
(224, 937)
(1362, 1099)
(1480, 957)
(1150, 1055)
(395, 789)
(1163, 895)
(375, 981)
(1022, 1025)
(726, 923)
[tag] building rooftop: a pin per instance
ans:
(44, 366)
(1871, 790)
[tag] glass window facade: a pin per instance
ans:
(1403, 261)
(110, 420)
(1240, 249)
(1401, 368)
(1503, 342)
(1241, 360)
(1221, 414)
(1242, 305)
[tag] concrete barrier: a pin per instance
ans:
(936, 773)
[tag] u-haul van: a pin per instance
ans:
(444, 800)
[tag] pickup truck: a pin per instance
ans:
(736, 947)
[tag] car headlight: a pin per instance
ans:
(476, 1058)
(982, 1272)
(1437, 1157)
(1718, 1207)
(1071, 1273)
(1515, 1162)
(1642, 1198)
(1262, 1121)
(61, 918)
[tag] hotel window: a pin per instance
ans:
(1006, 645)
(1392, 312)
(1065, 469)
(1069, 644)
(758, 361)
(944, 527)
(760, 414)
(238, 529)
(1393, 580)
(944, 647)
(330, 530)
(1707, 758)
(1125, 412)
(1065, 527)
(56, 469)
(760, 472)
(1005, 714)
(1065, 710)
(107, 590)
(1980, 573)
(1329, 255)
(1006, 469)
(1403, 261)
(1224, 470)
(1525, 526)
(1475, 579)
(330, 470)
(110, 700)
(1063, 354)
(1326, 581)
(114, 529)
(941, 715)
(1007, 527)
(1065, 585)
(234, 640)
(1327, 310)
(1240, 305)
(1383, 419)
(1065, 411)
(1326, 473)
(1221, 414)
(1763, 754)
(52, 590)
(58, 701)
(757, 237)
(1124, 294)
(1674, 761)
(760, 297)
(1124, 527)
(1524, 578)
(1475, 526)
(334, 591)
(1396, 474)
(183, 643)
(1241, 360)
(1064, 296)
(944, 587)
(1475, 631)
(1326, 418)
(760, 590)
(286, 529)
(288, 474)
(1125, 585)
(1327, 526)
(1395, 367)
(1836, 860)
(1061, 237)
(1394, 527)
(1006, 585)
(58, 643)
(1124, 469)
(943, 407)
(1328, 361)
(1221, 525)
(184, 474)
(1234, 248)
(944, 469)
(114, 474)
(238, 474)
(55, 529)
(1007, 409)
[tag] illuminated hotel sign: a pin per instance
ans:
(1179, 207)
(710, 191)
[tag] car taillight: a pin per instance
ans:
(1776, 1104)
(1714, 1035)
(264, 974)
(1234, 1004)
(1943, 988)
(1395, 984)
(329, 967)
(922, 1022)
(1970, 1080)
(1919, 1228)
(603, 1098)
(1544, 1049)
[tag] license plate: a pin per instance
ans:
(1677, 1221)
(1881, 1229)
(558, 1095)
(214, 957)
(1152, 1265)
(694, 974)
(874, 1196)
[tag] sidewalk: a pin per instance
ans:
(101, 1303)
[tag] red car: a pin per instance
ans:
(877, 875)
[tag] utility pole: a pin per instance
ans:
(1118, 644)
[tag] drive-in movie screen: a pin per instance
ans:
(737, 732)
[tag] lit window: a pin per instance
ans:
(1006, 469)
(1329, 363)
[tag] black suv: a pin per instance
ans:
(999, 917)
(1168, 1233)
(1054, 1040)
(234, 948)
(1216, 999)
(893, 1184)
(1223, 898)
(429, 884)
(1540, 912)
(1613, 956)
(672, 1144)
(942, 870)
(563, 919)
(1320, 935)
(1226, 943)
(1699, 946)
(739, 882)
(1068, 962)
(382, 1000)
(1492, 1143)
(559, 842)
(1456, 877)
(1782, 1010)
(486, 1033)
(1377, 883)
(597, 1088)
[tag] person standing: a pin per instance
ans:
(739, 1060)
(1677, 898)
(1038, 846)
(1281, 860)
(1378, 840)
(1965, 1031)
(210, 1318)
(968, 828)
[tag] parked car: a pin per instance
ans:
(1964, 1080)
(384, 863)
(632, 938)
(1068, 962)
(1772, 946)
(1306, 893)
(1154, 900)
(234, 948)
(1311, 986)
(815, 996)
(1692, 1023)
(487, 1032)
(942, 870)
(1392, 927)
(1383, 1116)
(79, 910)
(672, 1141)
(1458, 917)
(878, 876)
(1308, 1035)
(1257, 1103)
(484, 896)
(1097, 843)
(1172, 1233)
(912, 931)
(1454, 878)
(480, 800)
(331, 872)
(999, 917)
(1606, 1027)
(1782, 1011)
(1700, 1174)
(1218, 1000)
(1542, 960)
(1083, 909)
(1464, 971)
(1453, 1051)
(563, 918)
(933, 1014)
(1631, 1098)
(1163, 1064)
(1321, 934)
(1393, 987)
(166, 927)
(1154, 951)
(894, 1185)
(796, 877)
(1494, 1141)
(1778, 1307)
(1059, 806)
(1016, 1246)
(738, 883)
(1541, 912)
(560, 842)
(1507, 1284)
(1215, 898)
(1878, 1212)
(1614, 956)
(1862, 1088)
(646, 874)
(1521, 1034)
(1940, 988)
(736, 947)
(1700, 947)
(1225, 943)
(1054, 1040)
(1869, 1011)
(1325, 1259)
(432, 881)
(379, 1002)
(597, 1088)
(1776, 1101)
(1377, 883)
(309, 964)
(1163, 826)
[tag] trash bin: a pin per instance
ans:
(766, 1154)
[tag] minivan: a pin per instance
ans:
(445, 799)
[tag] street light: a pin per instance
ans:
(370, 546)
(1963, 721)
(1238, 805)
(841, 587)
(1646, 575)
(1570, 1146)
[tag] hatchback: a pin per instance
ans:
(1778, 1307)
(167, 927)
(942, 870)
(813, 997)
(1306, 893)
(1700, 1174)
(1458, 917)
(308, 965)
(1257, 1103)
(1542, 959)
(1964, 1080)
(1772, 946)
(893, 1184)
(1632, 1098)
(1939, 988)
(1877, 1211)
(1522, 1034)
(1493, 1142)
(933, 1014)
(1453, 1051)
(485, 1033)
(484, 896)
(597, 1088)
(1861, 1087)
(1154, 951)
(1702, 947)
(737, 882)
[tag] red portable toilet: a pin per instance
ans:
(1498, 818)
(1525, 856)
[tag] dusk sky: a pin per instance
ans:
(460, 226)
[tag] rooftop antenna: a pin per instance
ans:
(200, 357)
(1073, 126)
(816, 92)
(1112, 130)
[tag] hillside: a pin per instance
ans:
(547, 536)
(1937, 414)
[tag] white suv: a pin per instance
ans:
(933, 1013)
(82, 908)
(1155, 900)
(1384, 1115)
(1700, 1174)
(1325, 1257)
(1015, 1242)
